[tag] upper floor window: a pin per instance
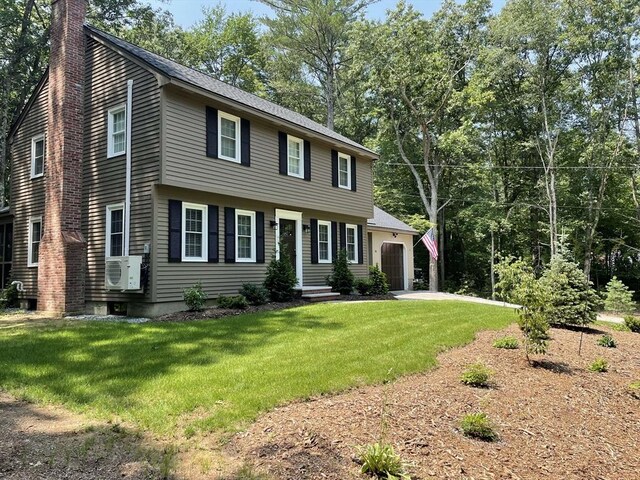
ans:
(352, 243)
(324, 242)
(35, 234)
(194, 228)
(115, 231)
(295, 156)
(116, 135)
(228, 137)
(344, 171)
(37, 156)
(245, 236)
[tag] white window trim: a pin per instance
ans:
(34, 140)
(205, 231)
(348, 159)
(355, 242)
(32, 220)
(300, 142)
(110, 114)
(251, 214)
(236, 120)
(107, 243)
(330, 248)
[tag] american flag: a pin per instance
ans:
(429, 240)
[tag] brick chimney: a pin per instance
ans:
(62, 257)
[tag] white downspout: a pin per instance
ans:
(127, 199)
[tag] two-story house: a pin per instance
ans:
(134, 177)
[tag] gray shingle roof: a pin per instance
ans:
(382, 219)
(189, 75)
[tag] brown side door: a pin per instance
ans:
(393, 264)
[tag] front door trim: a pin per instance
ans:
(297, 217)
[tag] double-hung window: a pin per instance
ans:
(37, 156)
(194, 232)
(35, 234)
(295, 156)
(344, 171)
(116, 131)
(352, 243)
(114, 245)
(245, 236)
(228, 137)
(324, 242)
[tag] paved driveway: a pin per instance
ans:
(425, 295)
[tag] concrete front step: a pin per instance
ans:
(321, 297)
(311, 289)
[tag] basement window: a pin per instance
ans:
(116, 135)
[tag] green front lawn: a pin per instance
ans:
(169, 377)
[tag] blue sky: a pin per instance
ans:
(187, 12)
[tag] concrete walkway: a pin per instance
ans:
(426, 295)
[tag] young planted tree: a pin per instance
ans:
(519, 284)
(619, 298)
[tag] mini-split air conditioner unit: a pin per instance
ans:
(122, 273)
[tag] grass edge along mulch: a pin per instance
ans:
(181, 378)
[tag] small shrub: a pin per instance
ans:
(235, 302)
(607, 341)
(599, 365)
(632, 323)
(281, 278)
(381, 460)
(10, 296)
(341, 279)
(476, 375)
(420, 285)
(477, 425)
(195, 297)
(379, 284)
(618, 299)
(509, 343)
(363, 286)
(255, 294)
(634, 389)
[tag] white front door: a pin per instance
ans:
(289, 236)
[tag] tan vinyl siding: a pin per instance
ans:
(104, 178)
(227, 278)
(27, 194)
(187, 165)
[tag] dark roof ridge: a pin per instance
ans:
(206, 82)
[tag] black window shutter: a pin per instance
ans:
(213, 242)
(229, 235)
(314, 240)
(175, 230)
(282, 140)
(245, 142)
(334, 240)
(343, 236)
(307, 160)
(334, 167)
(259, 237)
(360, 246)
(212, 132)
(353, 173)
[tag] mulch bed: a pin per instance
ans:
(217, 312)
(557, 420)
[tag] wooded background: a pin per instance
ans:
(509, 133)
